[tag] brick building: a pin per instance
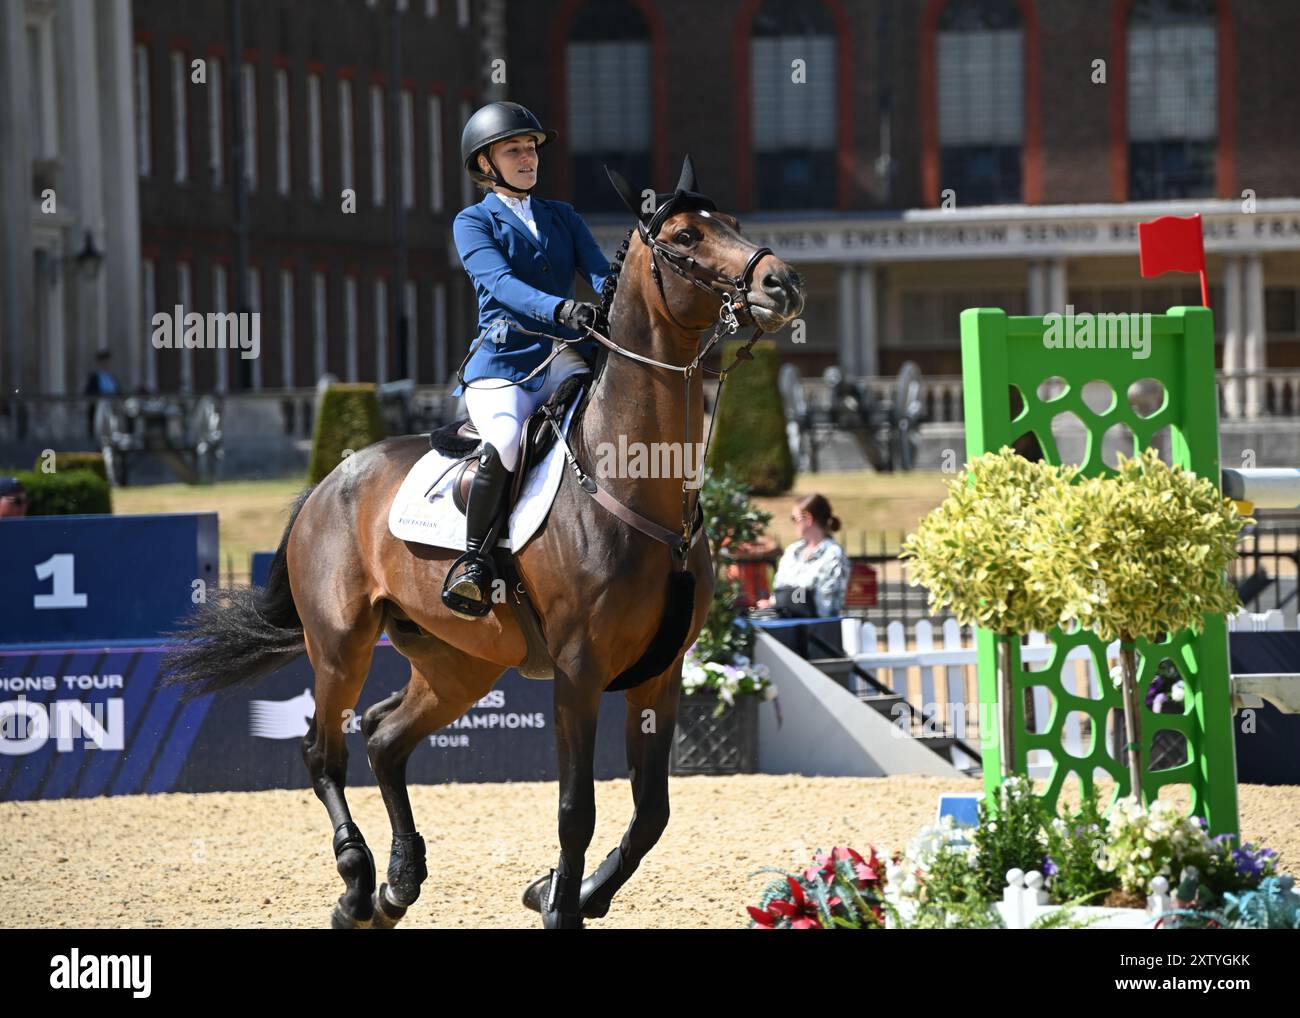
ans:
(941, 154)
(910, 157)
(344, 102)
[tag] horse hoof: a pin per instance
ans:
(535, 892)
(340, 920)
(562, 921)
(387, 915)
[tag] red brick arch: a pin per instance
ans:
(1225, 164)
(742, 32)
(559, 46)
(1031, 152)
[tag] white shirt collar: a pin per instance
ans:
(515, 203)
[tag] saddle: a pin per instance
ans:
(461, 440)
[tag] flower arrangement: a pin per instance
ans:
(1167, 692)
(935, 884)
(727, 681)
(720, 659)
(944, 881)
(1144, 842)
(841, 890)
(1010, 835)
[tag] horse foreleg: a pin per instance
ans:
(576, 707)
(651, 720)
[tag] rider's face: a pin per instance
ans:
(516, 158)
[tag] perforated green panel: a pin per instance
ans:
(999, 352)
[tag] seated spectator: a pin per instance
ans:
(813, 575)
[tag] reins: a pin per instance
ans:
(732, 291)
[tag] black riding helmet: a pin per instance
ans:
(492, 123)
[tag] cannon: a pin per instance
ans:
(189, 441)
(885, 429)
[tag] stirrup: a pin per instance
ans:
(462, 605)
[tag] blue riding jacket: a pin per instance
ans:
(521, 281)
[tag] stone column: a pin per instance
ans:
(17, 299)
(849, 322)
(1254, 346)
(125, 330)
(82, 176)
(1036, 304)
(868, 348)
(1057, 289)
(1232, 336)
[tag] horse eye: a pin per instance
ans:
(684, 237)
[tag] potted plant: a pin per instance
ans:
(1139, 555)
(717, 718)
(976, 553)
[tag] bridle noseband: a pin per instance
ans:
(705, 277)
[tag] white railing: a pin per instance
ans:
(934, 671)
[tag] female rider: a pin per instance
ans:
(521, 253)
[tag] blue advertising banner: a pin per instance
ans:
(71, 579)
(77, 722)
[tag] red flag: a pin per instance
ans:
(1173, 244)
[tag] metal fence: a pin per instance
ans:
(1267, 565)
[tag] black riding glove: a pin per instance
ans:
(575, 314)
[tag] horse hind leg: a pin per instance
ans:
(393, 728)
(340, 675)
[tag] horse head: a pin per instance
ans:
(710, 260)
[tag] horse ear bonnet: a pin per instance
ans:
(684, 198)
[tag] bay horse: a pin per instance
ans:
(339, 579)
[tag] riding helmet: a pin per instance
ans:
(492, 123)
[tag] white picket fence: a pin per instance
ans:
(935, 673)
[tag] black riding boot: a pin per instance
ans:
(468, 590)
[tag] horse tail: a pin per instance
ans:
(240, 634)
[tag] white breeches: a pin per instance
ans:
(499, 409)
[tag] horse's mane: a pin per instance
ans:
(607, 291)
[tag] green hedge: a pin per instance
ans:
(749, 434)
(348, 419)
(64, 493)
(93, 461)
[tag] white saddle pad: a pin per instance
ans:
(434, 519)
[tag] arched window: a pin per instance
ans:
(609, 105)
(1172, 112)
(792, 77)
(981, 100)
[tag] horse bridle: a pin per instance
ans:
(734, 303)
(703, 276)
